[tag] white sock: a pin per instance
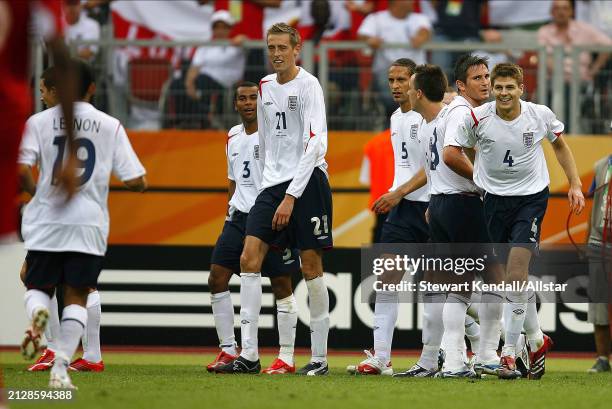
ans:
(318, 302)
(433, 329)
(74, 321)
(489, 314)
(453, 315)
(534, 333)
(223, 313)
(286, 318)
(514, 311)
(35, 300)
(250, 306)
(91, 336)
(53, 327)
(472, 332)
(385, 316)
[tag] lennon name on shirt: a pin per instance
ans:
(80, 124)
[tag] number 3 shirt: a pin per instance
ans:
(292, 130)
(509, 157)
(243, 167)
(80, 225)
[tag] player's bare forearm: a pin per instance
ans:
(283, 213)
(27, 179)
(231, 189)
(391, 199)
(566, 160)
(457, 160)
(138, 184)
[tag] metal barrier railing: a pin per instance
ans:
(567, 100)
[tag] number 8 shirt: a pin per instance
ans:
(82, 224)
(292, 130)
(510, 160)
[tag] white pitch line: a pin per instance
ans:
(350, 223)
(561, 235)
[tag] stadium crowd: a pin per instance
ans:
(191, 81)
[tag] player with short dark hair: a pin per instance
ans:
(405, 222)
(66, 242)
(294, 207)
(244, 174)
(511, 168)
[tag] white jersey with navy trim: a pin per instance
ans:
(292, 130)
(243, 167)
(442, 179)
(82, 224)
(408, 152)
(509, 156)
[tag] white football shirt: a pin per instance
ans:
(408, 152)
(243, 167)
(82, 224)
(509, 156)
(292, 130)
(442, 179)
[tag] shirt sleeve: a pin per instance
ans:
(126, 165)
(466, 131)
(198, 57)
(368, 26)
(315, 130)
(262, 128)
(230, 170)
(29, 151)
(454, 124)
(554, 127)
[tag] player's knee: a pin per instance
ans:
(249, 262)
(217, 280)
(281, 287)
(312, 268)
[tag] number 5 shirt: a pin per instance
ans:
(509, 158)
(82, 224)
(292, 130)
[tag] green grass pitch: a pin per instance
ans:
(151, 380)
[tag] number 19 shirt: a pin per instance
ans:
(82, 224)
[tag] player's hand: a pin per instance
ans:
(576, 199)
(283, 213)
(66, 178)
(386, 202)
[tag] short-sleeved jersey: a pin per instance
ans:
(292, 130)
(243, 167)
(408, 152)
(509, 157)
(82, 224)
(442, 179)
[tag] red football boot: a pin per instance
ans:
(221, 359)
(44, 362)
(279, 367)
(82, 365)
(537, 359)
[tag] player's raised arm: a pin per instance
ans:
(315, 132)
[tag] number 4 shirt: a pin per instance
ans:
(292, 130)
(82, 224)
(509, 157)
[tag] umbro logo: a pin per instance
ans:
(518, 311)
(375, 328)
(322, 237)
(234, 154)
(289, 261)
(268, 103)
(244, 322)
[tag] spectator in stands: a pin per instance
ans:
(518, 14)
(567, 32)
(80, 27)
(214, 69)
(599, 239)
(459, 21)
(595, 12)
(397, 24)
